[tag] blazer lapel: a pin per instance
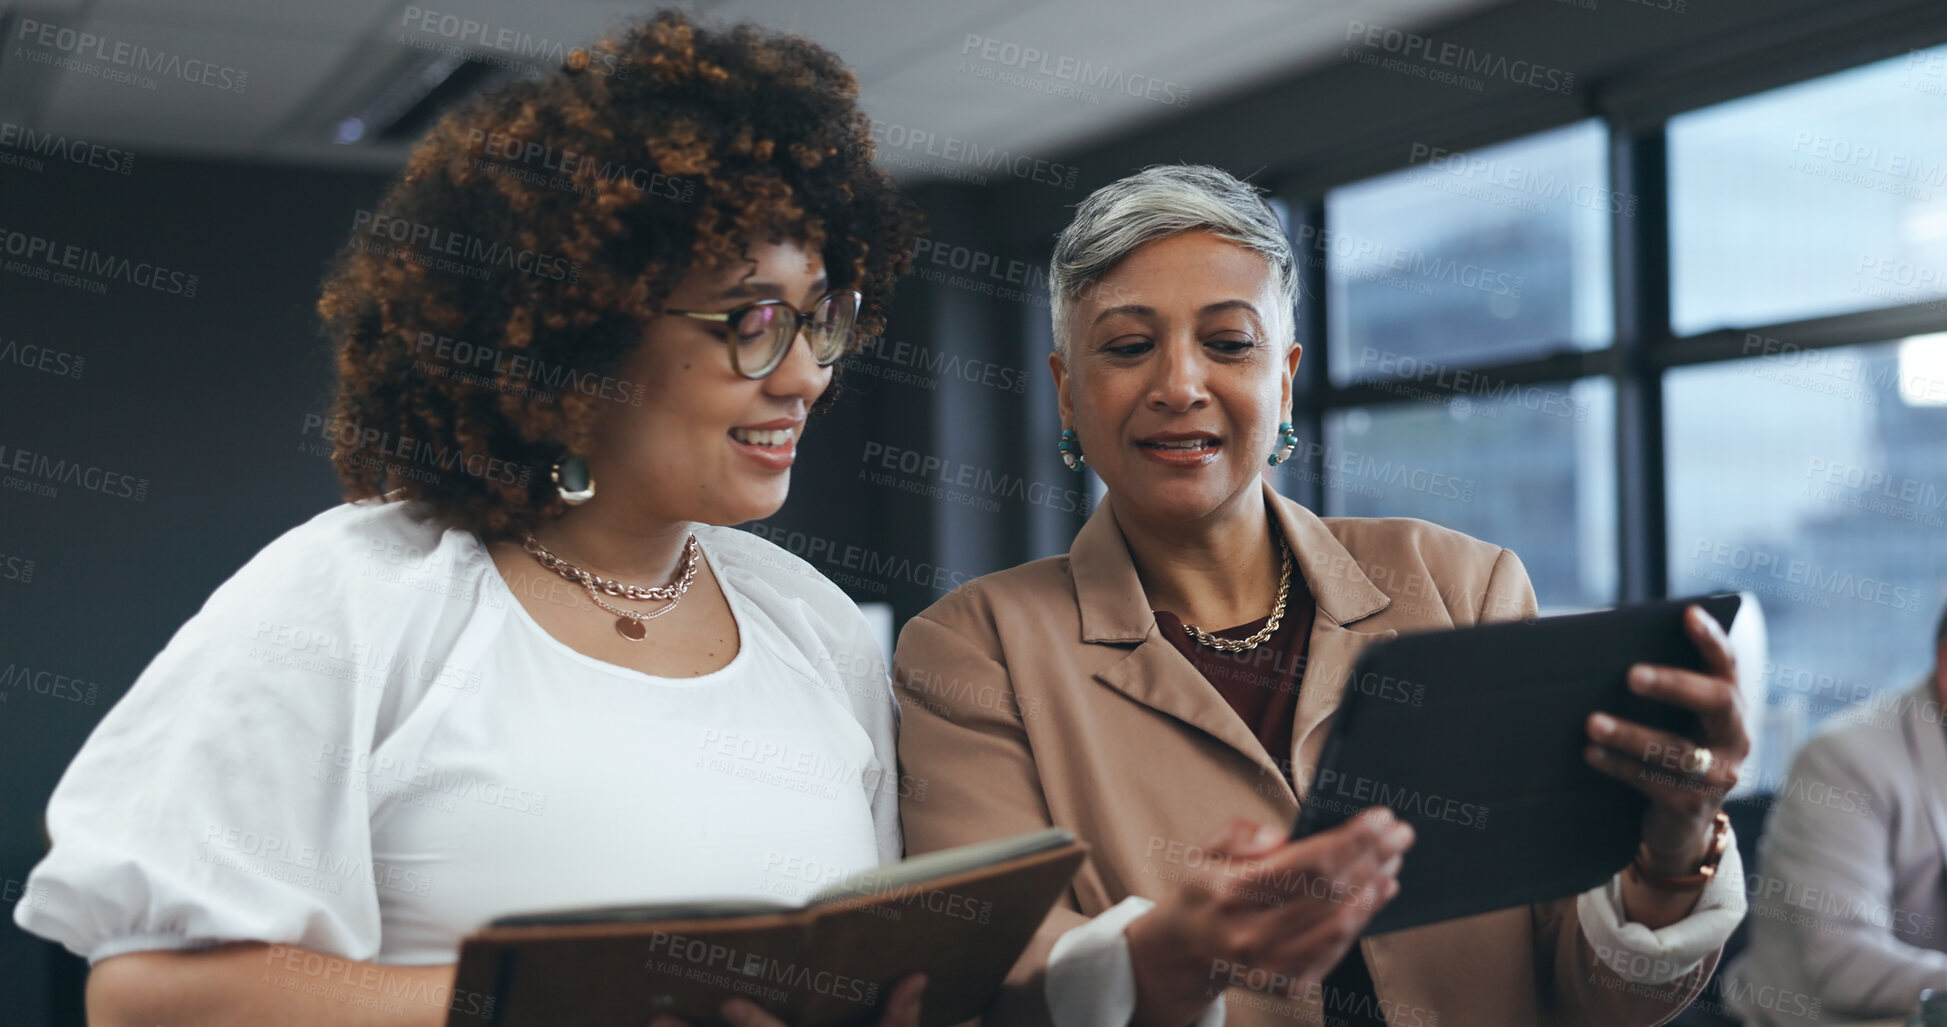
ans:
(1115, 610)
(1334, 649)
(1158, 676)
(1344, 595)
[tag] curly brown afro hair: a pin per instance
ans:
(538, 228)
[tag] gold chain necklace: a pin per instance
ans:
(1245, 645)
(628, 623)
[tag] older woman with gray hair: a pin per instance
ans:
(1164, 689)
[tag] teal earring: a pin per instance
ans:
(1288, 441)
(572, 480)
(1071, 450)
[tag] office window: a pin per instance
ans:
(1817, 480)
(1529, 467)
(1819, 198)
(1470, 258)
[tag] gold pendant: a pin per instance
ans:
(631, 629)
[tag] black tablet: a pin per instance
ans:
(1476, 735)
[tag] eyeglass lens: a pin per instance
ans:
(766, 331)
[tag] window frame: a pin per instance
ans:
(1644, 346)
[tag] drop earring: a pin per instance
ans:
(572, 480)
(1071, 450)
(1287, 440)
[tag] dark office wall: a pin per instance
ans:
(189, 406)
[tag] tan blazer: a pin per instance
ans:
(1044, 694)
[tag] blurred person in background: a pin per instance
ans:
(1849, 897)
(483, 684)
(1081, 690)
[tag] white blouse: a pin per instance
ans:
(364, 745)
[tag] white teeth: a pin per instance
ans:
(1185, 444)
(768, 437)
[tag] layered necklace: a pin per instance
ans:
(628, 623)
(1245, 645)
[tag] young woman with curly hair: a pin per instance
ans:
(527, 665)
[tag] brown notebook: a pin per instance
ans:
(961, 916)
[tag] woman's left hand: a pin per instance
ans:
(1684, 801)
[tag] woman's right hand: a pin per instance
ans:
(1259, 912)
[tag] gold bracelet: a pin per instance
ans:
(1701, 877)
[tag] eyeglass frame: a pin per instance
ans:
(803, 324)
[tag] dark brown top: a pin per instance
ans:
(1262, 687)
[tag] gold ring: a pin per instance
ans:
(1699, 762)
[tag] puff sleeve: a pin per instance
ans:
(205, 807)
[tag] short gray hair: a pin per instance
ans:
(1164, 200)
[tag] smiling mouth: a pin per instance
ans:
(1182, 445)
(768, 437)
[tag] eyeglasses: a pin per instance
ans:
(761, 333)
